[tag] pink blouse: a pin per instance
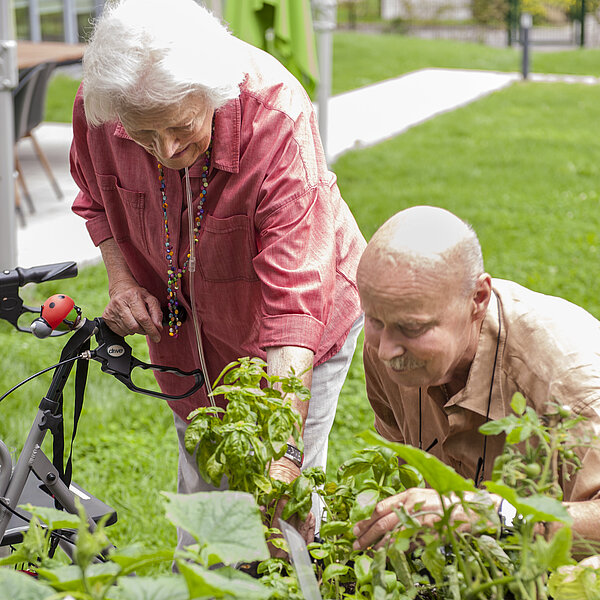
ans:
(278, 247)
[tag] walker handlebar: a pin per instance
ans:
(11, 304)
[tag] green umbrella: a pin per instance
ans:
(293, 39)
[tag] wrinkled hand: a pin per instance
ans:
(423, 504)
(285, 470)
(132, 309)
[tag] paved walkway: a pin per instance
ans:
(357, 119)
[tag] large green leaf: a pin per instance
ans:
(15, 585)
(440, 477)
(167, 587)
(221, 583)
(68, 578)
(537, 507)
(575, 583)
(227, 523)
(53, 518)
(135, 556)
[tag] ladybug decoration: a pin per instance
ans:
(54, 312)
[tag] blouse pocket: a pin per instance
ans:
(124, 211)
(226, 249)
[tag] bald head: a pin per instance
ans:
(425, 239)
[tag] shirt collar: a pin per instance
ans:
(226, 139)
(487, 363)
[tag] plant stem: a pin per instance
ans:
(489, 584)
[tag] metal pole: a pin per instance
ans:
(8, 81)
(582, 37)
(526, 23)
(324, 23)
(70, 21)
(35, 29)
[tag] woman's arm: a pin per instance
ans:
(131, 309)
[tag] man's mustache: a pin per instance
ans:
(404, 363)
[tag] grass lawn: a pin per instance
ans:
(357, 62)
(358, 58)
(521, 165)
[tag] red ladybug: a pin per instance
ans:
(56, 309)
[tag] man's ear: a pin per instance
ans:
(481, 296)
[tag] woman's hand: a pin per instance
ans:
(132, 309)
(424, 504)
(285, 470)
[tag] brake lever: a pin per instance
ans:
(116, 358)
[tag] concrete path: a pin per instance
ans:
(357, 119)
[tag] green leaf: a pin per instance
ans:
(362, 569)
(519, 434)
(557, 551)
(537, 507)
(133, 557)
(409, 477)
(399, 562)
(68, 578)
(166, 587)
(506, 424)
(301, 506)
(494, 552)
(353, 467)
(215, 470)
(19, 586)
(53, 518)
(518, 403)
(364, 505)
(319, 553)
(442, 478)
(334, 570)
(330, 528)
(228, 523)
(434, 560)
(221, 583)
(575, 583)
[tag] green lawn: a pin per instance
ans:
(358, 61)
(358, 58)
(521, 165)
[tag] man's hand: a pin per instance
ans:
(132, 309)
(423, 504)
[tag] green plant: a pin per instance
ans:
(425, 558)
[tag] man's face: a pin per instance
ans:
(175, 135)
(419, 322)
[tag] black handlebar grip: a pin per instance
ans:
(42, 273)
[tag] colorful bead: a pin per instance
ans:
(174, 275)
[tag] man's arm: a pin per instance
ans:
(131, 309)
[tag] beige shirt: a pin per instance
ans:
(542, 346)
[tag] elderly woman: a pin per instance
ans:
(203, 181)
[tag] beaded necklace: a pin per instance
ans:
(175, 274)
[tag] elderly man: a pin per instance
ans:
(446, 347)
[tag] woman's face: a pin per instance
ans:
(175, 135)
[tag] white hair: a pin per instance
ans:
(428, 237)
(151, 54)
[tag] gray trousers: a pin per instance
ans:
(327, 381)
